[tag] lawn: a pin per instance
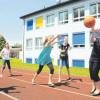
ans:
(16, 63)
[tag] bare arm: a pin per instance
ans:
(52, 40)
(93, 39)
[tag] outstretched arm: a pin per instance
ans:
(93, 39)
(52, 40)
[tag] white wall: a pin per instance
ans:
(74, 53)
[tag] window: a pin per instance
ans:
(38, 43)
(63, 17)
(29, 44)
(50, 20)
(29, 24)
(29, 60)
(78, 14)
(95, 10)
(78, 63)
(78, 39)
(61, 39)
(39, 22)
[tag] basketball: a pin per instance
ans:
(89, 21)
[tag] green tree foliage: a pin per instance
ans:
(2, 42)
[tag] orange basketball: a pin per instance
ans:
(89, 21)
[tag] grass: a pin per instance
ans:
(16, 63)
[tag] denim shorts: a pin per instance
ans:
(64, 62)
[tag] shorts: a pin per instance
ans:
(94, 68)
(64, 62)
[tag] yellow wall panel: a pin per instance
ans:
(39, 22)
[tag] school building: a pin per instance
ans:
(65, 18)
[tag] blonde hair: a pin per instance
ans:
(45, 40)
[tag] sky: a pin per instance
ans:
(10, 13)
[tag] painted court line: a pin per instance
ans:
(47, 77)
(11, 97)
(76, 93)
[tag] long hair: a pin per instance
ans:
(45, 41)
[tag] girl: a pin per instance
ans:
(44, 58)
(94, 63)
(64, 58)
(5, 57)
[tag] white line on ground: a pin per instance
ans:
(76, 93)
(11, 97)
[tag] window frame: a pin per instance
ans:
(51, 23)
(63, 21)
(82, 61)
(97, 13)
(78, 45)
(29, 27)
(29, 47)
(79, 17)
(38, 45)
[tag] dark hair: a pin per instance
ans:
(46, 40)
(6, 44)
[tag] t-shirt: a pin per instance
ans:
(5, 53)
(95, 55)
(64, 51)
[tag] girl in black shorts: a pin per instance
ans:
(94, 63)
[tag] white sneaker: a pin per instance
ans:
(59, 81)
(1, 75)
(33, 83)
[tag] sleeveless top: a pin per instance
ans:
(95, 55)
(44, 57)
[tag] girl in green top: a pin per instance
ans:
(45, 59)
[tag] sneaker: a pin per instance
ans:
(1, 75)
(33, 83)
(51, 85)
(59, 81)
(96, 94)
(93, 91)
(10, 75)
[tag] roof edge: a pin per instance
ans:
(50, 7)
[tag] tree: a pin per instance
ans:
(2, 42)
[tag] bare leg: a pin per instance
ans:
(68, 71)
(33, 80)
(93, 87)
(2, 70)
(36, 74)
(3, 67)
(50, 79)
(50, 75)
(59, 73)
(9, 67)
(10, 72)
(97, 84)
